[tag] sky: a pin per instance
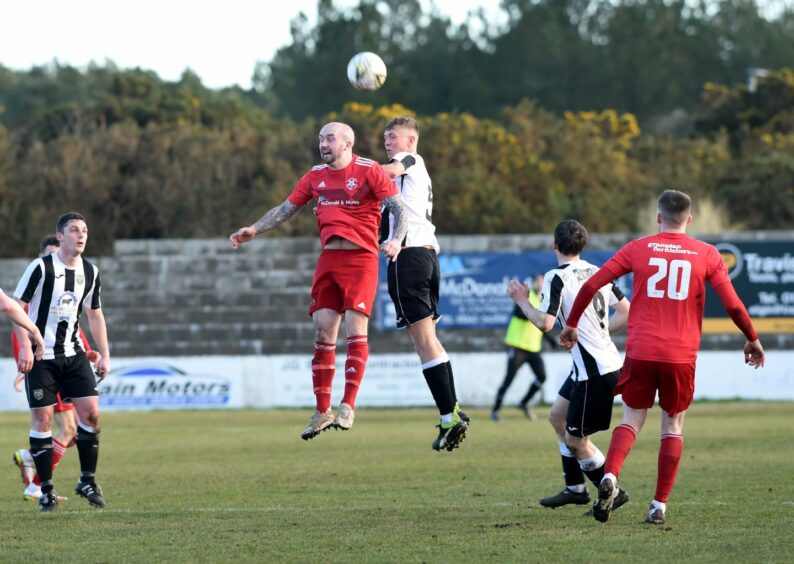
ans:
(220, 41)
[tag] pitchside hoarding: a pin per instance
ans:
(473, 286)
(763, 275)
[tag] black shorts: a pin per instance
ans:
(566, 390)
(414, 279)
(590, 409)
(72, 376)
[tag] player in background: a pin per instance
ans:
(415, 276)
(56, 288)
(670, 273)
(584, 403)
(349, 191)
(64, 414)
(523, 342)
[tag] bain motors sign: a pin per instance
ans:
(163, 386)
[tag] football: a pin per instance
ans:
(366, 71)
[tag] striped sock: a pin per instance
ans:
(623, 438)
(357, 353)
(670, 450)
(323, 369)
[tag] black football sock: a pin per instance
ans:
(41, 451)
(437, 378)
(88, 449)
(571, 471)
(448, 364)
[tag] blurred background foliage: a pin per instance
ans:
(573, 108)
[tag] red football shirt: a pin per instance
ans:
(670, 273)
(348, 200)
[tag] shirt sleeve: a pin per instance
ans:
(716, 271)
(302, 193)
(552, 294)
(379, 182)
(615, 295)
(29, 282)
(620, 263)
(92, 297)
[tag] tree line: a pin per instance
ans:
(146, 158)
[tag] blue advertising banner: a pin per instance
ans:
(473, 286)
(763, 275)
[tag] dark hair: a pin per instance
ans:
(49, 241)
(66, 218)
(674, 206)
(570, 237)
(402, 121)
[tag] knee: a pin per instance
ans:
(557, 422)
(574, 444)
(91, 419)
(41, 420)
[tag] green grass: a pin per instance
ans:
(241, 485)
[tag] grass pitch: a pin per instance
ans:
(241, 485)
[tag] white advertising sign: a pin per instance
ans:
(391, 380)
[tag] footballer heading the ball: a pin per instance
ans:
(366, 71)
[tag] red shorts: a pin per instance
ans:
(345, 280)
(60, 406)
(640, 379)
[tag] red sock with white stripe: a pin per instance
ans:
(357, 353)
(58, 449)
(323, 368)
(670, 451)
(623, 438)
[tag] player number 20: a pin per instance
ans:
(677, 273)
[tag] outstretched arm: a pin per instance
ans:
(394, 205)
(519, 293)
(270, 220)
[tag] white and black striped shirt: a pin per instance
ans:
(595, 354)
(55, 295)
(416, 191)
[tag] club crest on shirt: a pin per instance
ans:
(351, 183)
(80, 279)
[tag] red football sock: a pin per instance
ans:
(357, 353)
(623, 438)
(58, 448)
(323, 367)
(669, 456)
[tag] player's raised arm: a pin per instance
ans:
(270, 220)
(394, 205)
(519, 293)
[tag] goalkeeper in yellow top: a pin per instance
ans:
(523, 342)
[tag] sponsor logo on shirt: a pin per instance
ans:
(65, 307)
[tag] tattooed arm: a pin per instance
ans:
(270, 220)
(394, 205)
